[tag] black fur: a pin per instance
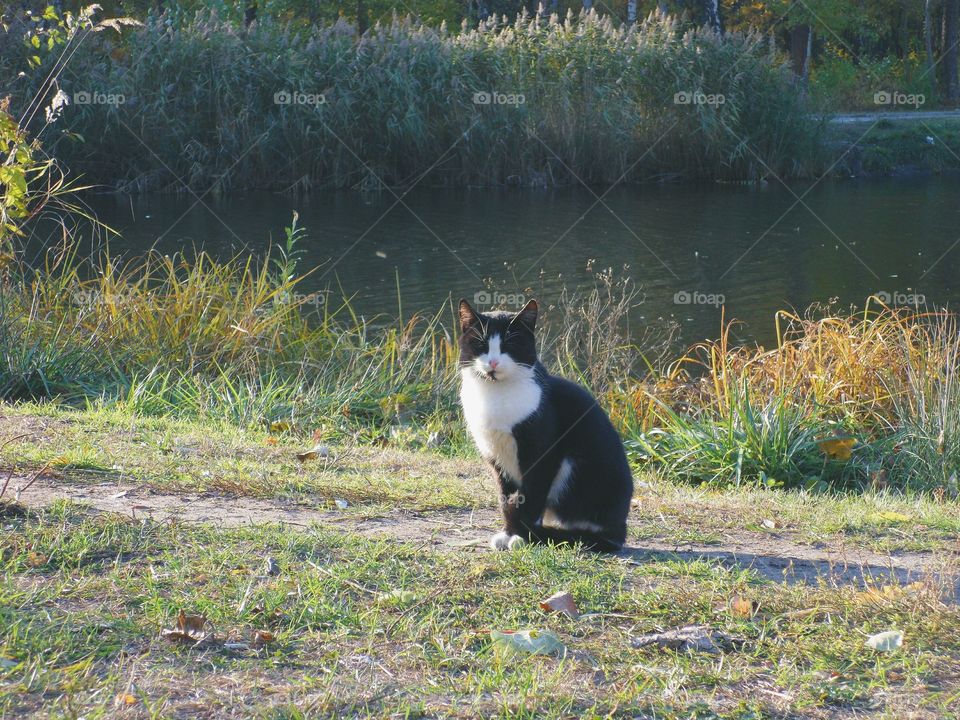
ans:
(568, 424)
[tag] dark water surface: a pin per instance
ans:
(685, 246)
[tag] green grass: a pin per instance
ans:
(84, 599)
(171, 455)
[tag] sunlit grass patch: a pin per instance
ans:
(86, 598)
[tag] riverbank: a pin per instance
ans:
(898, 145)
(842, 401)
(358, 582)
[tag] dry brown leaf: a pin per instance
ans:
(35, 559)
(739, 606)
(190, 629)
(561, 602)
(317, 451)
(261, 638)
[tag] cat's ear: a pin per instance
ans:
(528, 315)
(468, 316)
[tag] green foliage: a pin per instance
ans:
(768, 442)
(598, 102)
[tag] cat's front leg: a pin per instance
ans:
(522, 509)
(510, 499)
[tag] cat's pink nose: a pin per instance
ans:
(493, 364)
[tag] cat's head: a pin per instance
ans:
(498, 346)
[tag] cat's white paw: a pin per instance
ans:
(505, 541)
(500, 541)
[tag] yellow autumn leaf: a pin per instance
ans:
(839, 448)
(888, 516)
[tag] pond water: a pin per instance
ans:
(688, 248)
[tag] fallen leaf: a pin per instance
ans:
(126, 699)
(741, 607)
(769, 524)
(531, 642)
(117, 496)
(271, 440)
(397, 597)
(880, 479)
(190, 628)
(888, 516)
(689, 638)
(35, 559)
(280, 426)
(561, 602)
(317, 451)
(891, 592)
(840, 448)
(885, 641)
(261, 638)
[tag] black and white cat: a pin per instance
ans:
(560, 463)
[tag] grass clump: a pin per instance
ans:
(843, 400)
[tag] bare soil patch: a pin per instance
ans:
(776, 557)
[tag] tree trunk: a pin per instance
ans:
(631, 11)
(951, 25)
(249, 15)
(712, 9)
(362, 23)
(928, 37)
(801, 44)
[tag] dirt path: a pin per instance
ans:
(915, 115)
(777, 558)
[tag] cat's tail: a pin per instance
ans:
(591, 540)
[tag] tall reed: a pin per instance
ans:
(534, 101)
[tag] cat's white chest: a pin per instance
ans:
(492, 409)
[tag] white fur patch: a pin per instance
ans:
(551, 519)
(557, 488)
(505, 541)
(559, 485)
(493, 407)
